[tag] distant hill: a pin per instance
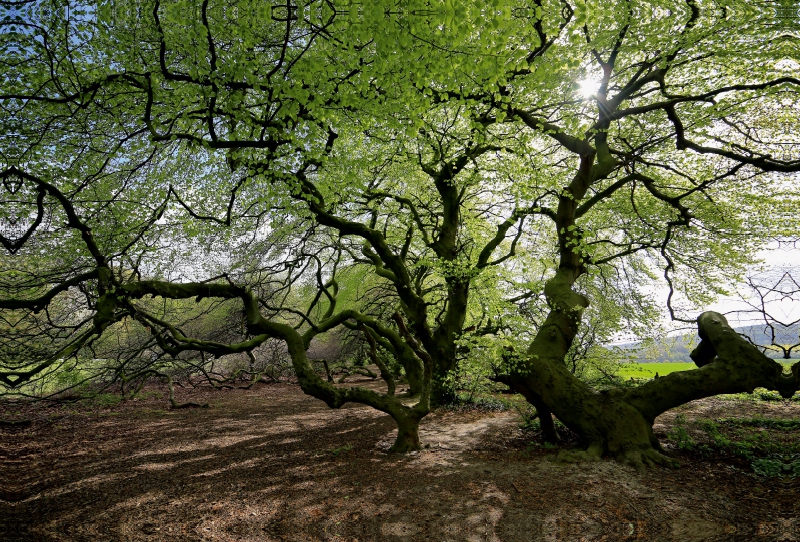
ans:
(676, 349)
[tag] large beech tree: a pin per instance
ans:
(471, 157)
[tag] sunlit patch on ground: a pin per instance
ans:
(299, 471)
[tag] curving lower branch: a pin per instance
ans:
(728, 364)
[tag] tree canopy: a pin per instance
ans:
(452, 183)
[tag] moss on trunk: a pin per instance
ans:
(618, 423)
(407, 435)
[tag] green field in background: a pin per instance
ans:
(649, 370)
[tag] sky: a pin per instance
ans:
(779, 272)
(778, 278)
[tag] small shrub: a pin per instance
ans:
(751, 439)
(768, 467)
(466, 402)
(530, 424)
(680, 435)
(767, 395)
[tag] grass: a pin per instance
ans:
(638, 372)
(649, 370)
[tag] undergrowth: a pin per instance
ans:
(464, 402)
(770, 447)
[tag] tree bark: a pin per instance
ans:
(619, 423)
(407, 435)
(546, 422)
(545, 415)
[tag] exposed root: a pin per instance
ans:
(173, 403)
(638, 459)
(641, 459)
(404, 447)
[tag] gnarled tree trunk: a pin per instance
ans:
(618, 423)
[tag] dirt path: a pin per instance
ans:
(273, 464)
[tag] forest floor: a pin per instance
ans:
(270, 463)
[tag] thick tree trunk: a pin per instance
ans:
(618, 423)
(407, 418)
(407, 435)
(412, 367)
(606, 422)
(444, 363)
(416, 382)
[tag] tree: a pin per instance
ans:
(448, 150)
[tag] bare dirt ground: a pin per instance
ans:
(273, 464)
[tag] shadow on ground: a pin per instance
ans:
(273, 464)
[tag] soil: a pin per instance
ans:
(270, 463)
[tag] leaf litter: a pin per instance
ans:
(271, 463)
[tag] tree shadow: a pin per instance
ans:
(266, 466)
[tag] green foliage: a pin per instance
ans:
(768, 445)
(464, 402)
(680, 435)
(68, 378)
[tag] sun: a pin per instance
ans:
(588, 87)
